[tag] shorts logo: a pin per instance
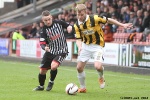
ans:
(99, 56)
(60, 59)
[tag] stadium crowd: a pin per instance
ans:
(133, 11)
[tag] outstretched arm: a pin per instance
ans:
(126, 25)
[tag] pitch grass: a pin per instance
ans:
(17, 79)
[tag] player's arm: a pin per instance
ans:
(67, 26)
(103, 20)
(113, 21)
(78, 38)
(43, 41)
(79, 45)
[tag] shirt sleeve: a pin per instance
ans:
(101, 19)
(64, 24)
(77, 32)
(43, 40)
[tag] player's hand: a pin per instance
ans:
(47, 49)
(128, 25)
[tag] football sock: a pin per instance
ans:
(41, 86)
(42, 79)
(51, 81)
(81, 78)
(53, 74)
(100, 73)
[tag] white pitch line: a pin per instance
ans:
(136, 78)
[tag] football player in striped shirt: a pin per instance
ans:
(53, 41)
(90, 42)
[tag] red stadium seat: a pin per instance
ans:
(137, 37)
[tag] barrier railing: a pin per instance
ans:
(25, 10)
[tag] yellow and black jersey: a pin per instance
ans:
(90, 31)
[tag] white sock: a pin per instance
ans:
(81, 78)
(100, 73)
(51, 81)
(41, 86)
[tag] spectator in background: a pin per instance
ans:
(24, 34)
(139, 4)
(106, 12)
(146, 20)
(126, 14)
(148, 7)
(146, 25)
(41, 24)
(120, 5)
(135, 8)
(131, 6)
(132, 20)
(113, 12)
(34, 30)
(59, 17)
(39, 28)
(18, 35)
(98, 10)
(37, 35)
(108, 35)
(113, 27)
(138, 24)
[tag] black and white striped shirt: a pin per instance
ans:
(54, 37)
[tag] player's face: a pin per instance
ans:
(81, 15)
(47, 20)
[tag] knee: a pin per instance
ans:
(98, 67)
(43, 72)
(79, 68)
(54, 65)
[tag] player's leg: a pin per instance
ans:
(45, 65)
(81, 76)
(58, 59)
(82, 60)
(98, 58)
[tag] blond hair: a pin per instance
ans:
(80, 7)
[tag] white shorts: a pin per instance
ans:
(93, 51)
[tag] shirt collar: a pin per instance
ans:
(79, 22)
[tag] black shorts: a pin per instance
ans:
(48, 58)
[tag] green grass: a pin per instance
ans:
(17, 79)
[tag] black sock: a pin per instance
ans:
(53, 74)
(42, 79)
